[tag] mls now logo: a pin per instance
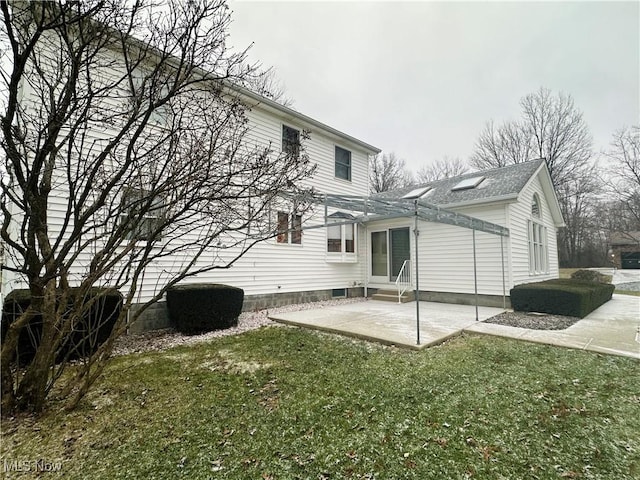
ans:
(30, 466)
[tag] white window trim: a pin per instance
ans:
(296, 153)
(342, 256)
(335, 160)
(290, 230)
(538, 249)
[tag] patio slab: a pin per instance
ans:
(614, 328)
(390, 323)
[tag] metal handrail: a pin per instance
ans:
(403, 281)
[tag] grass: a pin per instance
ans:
(284, 403)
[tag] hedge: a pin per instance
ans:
(591, 276)
(203, 307)
(93, 329)
(575, 298)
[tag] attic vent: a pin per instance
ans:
(416, 193)
(468, 183)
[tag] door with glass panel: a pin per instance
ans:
(389, 250)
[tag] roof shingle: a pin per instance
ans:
(498, 183)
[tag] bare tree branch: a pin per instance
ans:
(444, 168)
(387, 172)
(622, 173)
(126, 145)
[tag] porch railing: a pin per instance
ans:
(403, 282)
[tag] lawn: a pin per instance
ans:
(285, 403)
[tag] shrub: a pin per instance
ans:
(570, 297)
(591, 276)
(204, 307)
(87, 335)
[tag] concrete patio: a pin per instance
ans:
(612, 328)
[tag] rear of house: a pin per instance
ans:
(519, 197)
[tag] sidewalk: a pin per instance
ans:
(614, 328)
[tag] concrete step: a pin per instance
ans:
(392, 296)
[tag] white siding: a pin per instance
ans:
(268, 267)
(519, 215)
(447, 261)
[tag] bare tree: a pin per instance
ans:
(447, 167)
(578, 201)
(387, 172)
(623, 171)
(266, 83)
(125, 147)
(551, 127)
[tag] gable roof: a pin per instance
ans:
(503, 183)
(286, 113)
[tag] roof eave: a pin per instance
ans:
(510, 198)
(288, 112)
(550, 194)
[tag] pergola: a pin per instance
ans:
(369, 209)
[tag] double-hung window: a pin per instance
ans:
(290, 141)
(342, 163)
(289, 228)
(142, 215)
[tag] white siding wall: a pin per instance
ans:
(446, 251)
(519, 214)
(268, 267)
(278, 268)
(447, 255)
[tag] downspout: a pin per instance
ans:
(417, 292)
(475, 272)
(504, 288)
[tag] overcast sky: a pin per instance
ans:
(422, 78)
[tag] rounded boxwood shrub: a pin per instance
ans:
(203, 307)
(591, 276)
(575, 298)
(88, 334)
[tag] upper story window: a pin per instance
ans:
(289, 228)
(535, 206)
(290, 141)
(343, 163)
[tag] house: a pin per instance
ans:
(625, 249)
(518, 197)
(473, 237)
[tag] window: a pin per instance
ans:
(289, 228)
(468, 184)
(343, 163)
(417, 193)
(341, 238)
(538, 255)
(290, 141)
(143, 213)
(148, 89)
(535, 206)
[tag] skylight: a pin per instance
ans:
(468, 183)
(416, 193)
